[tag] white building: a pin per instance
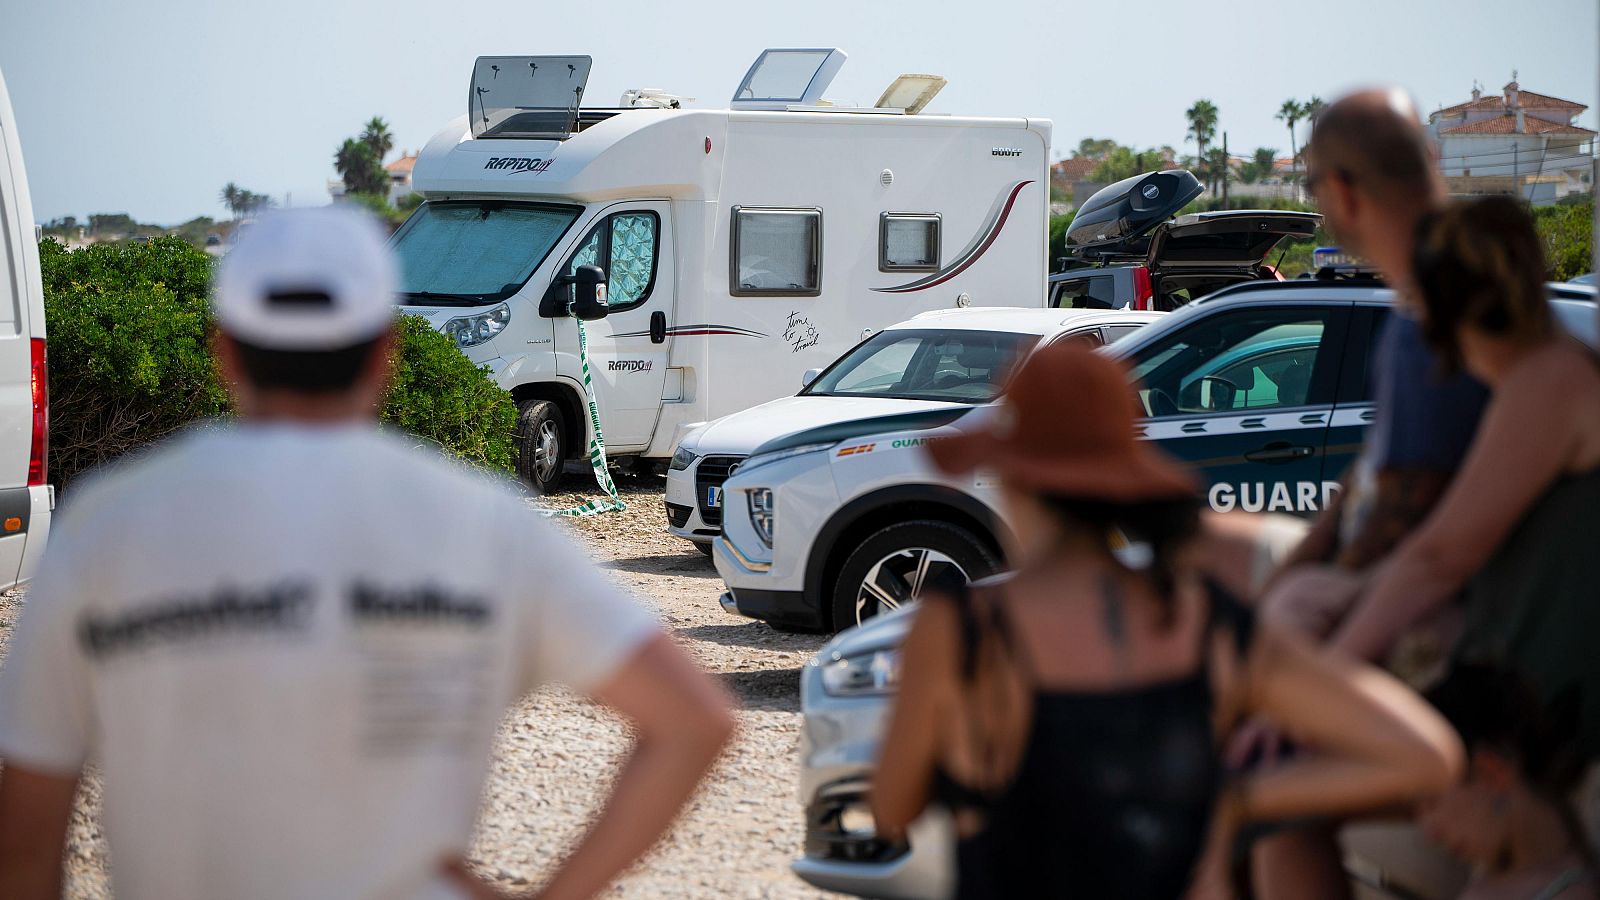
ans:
(1515, 142)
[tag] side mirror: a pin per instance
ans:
(589, 293)
(809, 376)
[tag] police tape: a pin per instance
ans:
(597, 448)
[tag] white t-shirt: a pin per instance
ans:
(288, 648)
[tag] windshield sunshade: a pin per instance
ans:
(953, 366)
(526, 96)
(470, 253)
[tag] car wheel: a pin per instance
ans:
(704, 548)
(541, 442)
(896, 565)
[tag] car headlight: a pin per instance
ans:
(779, 455)
(682, 459)
(470, 331)
(763, 514)
(866, 675)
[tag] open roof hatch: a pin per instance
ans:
(781, 78)
(910, 94)
(526, 96)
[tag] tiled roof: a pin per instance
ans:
(1492, 100)
(1075, 169)
(1507, 124)
(1530, 100)
(1526, 99)
(402, 166)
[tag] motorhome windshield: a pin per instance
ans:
(462, 253)
(950, 365)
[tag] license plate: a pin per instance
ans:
(713, 498)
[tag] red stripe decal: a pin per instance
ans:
(963, 265)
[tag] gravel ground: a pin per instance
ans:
(741, 829)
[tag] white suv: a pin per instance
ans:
(938, 361)
(26, 499)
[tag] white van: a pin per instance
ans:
(715, 254)
(25, 498)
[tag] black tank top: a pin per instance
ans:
(1114, 791)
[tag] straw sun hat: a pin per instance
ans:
(1065, 426)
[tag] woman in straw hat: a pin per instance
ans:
(1069, 714)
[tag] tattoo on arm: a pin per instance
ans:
(1404, 497)
(1115, 619)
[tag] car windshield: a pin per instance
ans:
(467, 253)
(956, 366)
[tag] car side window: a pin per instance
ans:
(1116, 333)
(776, 252)
(1093, 292)
(1087, 339)
(633, 258)
(625, 245)
(1245, 360)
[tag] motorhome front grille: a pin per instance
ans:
(713, 471)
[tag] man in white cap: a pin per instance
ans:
(286, 641)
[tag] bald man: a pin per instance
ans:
(1373, 173)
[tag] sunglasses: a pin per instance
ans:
(1315, 177)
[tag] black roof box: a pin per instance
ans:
(1112, 222)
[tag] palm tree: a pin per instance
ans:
(377, 136)
(358, 166)
(1291, 112)
(1260, 165)
(1202, 118)
(229, 196)
(1313, 109)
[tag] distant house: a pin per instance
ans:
(399, 172)
(400, 175)
(1514, 142)
(1066, 174)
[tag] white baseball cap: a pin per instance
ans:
(307, 279)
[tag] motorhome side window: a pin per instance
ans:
(624, 245)
(908, 242)
(776, 252)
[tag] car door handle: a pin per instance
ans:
(1278, 451)
(658, 327)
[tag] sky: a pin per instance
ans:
(150, 108)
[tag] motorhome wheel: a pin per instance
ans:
(896, 565)
(541, 444)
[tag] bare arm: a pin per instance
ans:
(1377, 742)
(34, 811)
(1401, 499)
(1320, 542)
(682, 719)
(1504, 474)
(900, 791)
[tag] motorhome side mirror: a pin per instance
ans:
(589, 293)
(809, 376)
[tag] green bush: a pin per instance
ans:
(439, 394)
(129, 362)
(127, 325)
(1567, 230)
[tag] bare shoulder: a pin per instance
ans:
(1560, 362)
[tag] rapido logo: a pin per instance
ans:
(515, 165)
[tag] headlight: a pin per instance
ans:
(682, 459)
(867, 675)
(470, 331)
(763, 515)
(778, 455)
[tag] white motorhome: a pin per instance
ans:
(26, 497)
(736, 248)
